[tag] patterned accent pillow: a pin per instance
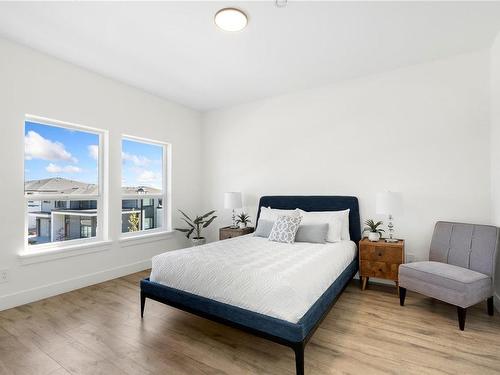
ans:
(285, 228)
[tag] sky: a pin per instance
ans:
(141, 164)
(51, 151)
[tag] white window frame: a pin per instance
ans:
(165, 195)
(101, 197)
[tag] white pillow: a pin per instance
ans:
(338, 223)
(345, 224)
(271, 214)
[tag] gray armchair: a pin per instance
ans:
(460, 270)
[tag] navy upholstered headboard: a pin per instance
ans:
(317, 203)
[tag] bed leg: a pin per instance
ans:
(299, 358)
(143, 303)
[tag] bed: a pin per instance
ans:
(257, 285)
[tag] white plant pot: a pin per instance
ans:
(373, 236)
(198, 241)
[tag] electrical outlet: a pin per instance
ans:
(4, 276)
(410, 258)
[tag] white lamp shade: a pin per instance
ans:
(389, 203)
(232, 200)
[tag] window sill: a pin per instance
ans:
(47, 254)
(137, 239)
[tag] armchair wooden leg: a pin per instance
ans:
(461, 317)
(143, 303)
(402, 295)
(491, 310)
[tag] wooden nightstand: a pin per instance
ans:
(380, 259)
(228, 232)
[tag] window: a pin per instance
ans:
(62, 183)
(61, 204)
(143, 186)
(87, 227)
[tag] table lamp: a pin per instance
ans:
(233, 200)
(389, 203)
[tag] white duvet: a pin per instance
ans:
(271, 278)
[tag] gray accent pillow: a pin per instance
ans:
(315, 233)
(285, 229)
(264, 228)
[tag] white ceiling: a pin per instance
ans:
(174, 50)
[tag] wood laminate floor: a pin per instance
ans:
(98, 330)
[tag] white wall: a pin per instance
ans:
(495, 146)
(33, 83)
(421, 130)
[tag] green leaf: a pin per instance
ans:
(188, 223)
(186, 216)
(243, 218)
(207, 214)
(371, 225)
(189, 233)
(182, 229)
(207, 223)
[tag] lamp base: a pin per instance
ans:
(391, 240)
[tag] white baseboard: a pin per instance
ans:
(49, 290)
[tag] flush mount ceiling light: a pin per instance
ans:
(231, 19)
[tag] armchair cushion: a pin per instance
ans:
(449, 283)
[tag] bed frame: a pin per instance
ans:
(293, 335)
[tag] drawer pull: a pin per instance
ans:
(380, 269)
(379, 254)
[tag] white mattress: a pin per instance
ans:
(271, 278)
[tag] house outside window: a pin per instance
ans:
(63, 183)
(86, 226)
(144, 186)
(61, 204)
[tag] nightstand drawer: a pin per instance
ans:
(380, 259)
(382, 254)
(228, 232)
(382, 270)
(224, 235)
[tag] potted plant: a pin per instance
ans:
(196, 225)
(374, 233)
(243, 219)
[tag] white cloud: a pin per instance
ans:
(38, 147)
(54, 168)
(149, 176)
(93, 151)
(137, 160)
(72, 169)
